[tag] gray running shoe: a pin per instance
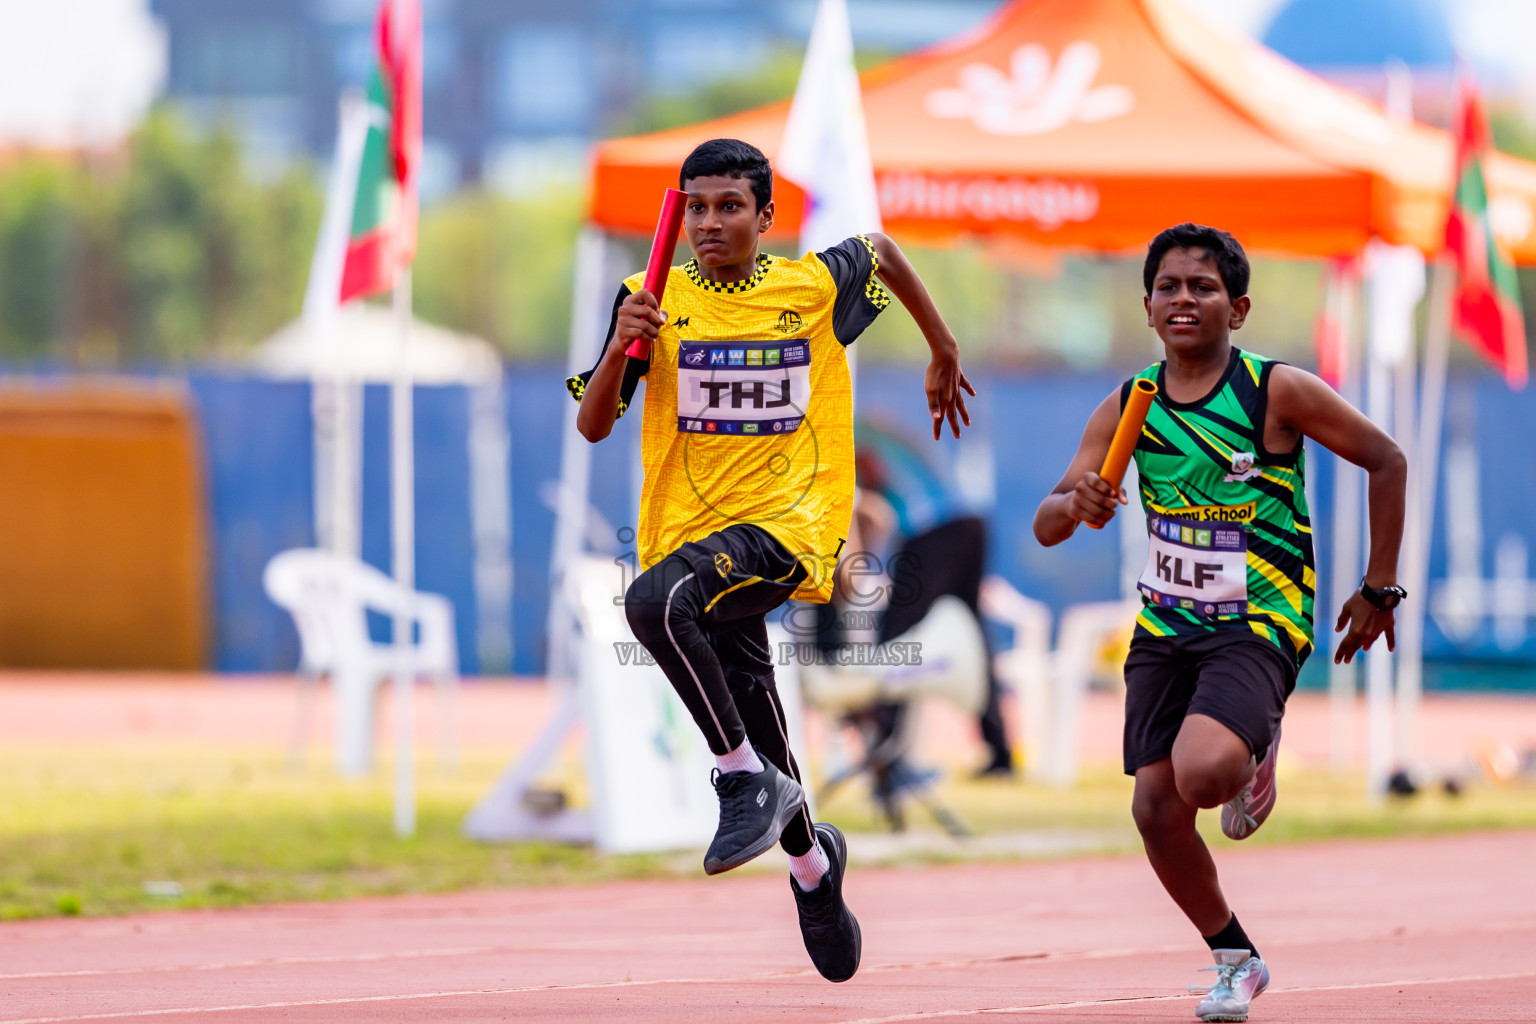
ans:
(1243, 814)
(1240, 978)
(754, 808)
(830, 930)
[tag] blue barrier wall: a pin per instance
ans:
(257, 443)
(257, 439)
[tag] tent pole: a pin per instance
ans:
(490, 464)
(403, 529)
(1425, 481)
(1346, 542)
(575, 452)
(501, 814)
(1407, 658)
(333, 404)
(1378, 662)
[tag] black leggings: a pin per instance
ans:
(701, 612)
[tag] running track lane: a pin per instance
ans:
(1394, 930)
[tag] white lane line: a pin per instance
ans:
(1048, 956)
(179, 1011)
(424, 954)
(1085, 1003)
(274, 961)
(895, 1019)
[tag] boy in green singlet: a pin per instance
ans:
(1227, 592)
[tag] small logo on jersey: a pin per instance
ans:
(682, 321)
(738, 356)
(778, 426)
(789, 321)
(695, 358)
(1210, 609)
(749, 428)
(1186, 603)
(1242, 468)
(773, 357)
(755, 357)
(723, 564)
(717, 357)
(710, 426)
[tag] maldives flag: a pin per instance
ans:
(1487, 304)
(383, 236)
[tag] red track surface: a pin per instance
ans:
(163, 711)
(1404, 930)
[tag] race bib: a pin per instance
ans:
(1199, 567)
(751, 388)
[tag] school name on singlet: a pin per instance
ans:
(743, 389)
(1243, 513)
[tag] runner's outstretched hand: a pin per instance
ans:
(945, 381)
(1366, 622)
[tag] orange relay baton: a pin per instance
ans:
(668, 225)
(1127, 433)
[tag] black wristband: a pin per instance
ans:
(1384, 598)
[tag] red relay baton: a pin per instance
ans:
(660, 264)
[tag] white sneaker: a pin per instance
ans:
(1240, 978)
(1243, 814)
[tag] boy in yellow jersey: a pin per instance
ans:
(1227, 593)
(747, 445)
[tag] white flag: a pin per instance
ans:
(826, 147)
(323, 296)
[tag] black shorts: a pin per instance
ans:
(1239, 679)
(740, 574)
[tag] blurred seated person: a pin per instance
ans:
(937, 544)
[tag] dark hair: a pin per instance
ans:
(1230, 259)
(730, 158)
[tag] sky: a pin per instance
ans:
(76, 71)
(85, 71)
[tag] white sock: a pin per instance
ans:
(742, 759)
(808, 868)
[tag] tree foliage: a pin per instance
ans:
(501, 268)
(164, 252)
(170, 251)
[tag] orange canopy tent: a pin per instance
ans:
(1095, 124)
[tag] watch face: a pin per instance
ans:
(1386, 598)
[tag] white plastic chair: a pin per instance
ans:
(329, 596)
(1052, 684)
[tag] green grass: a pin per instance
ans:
(81, 832)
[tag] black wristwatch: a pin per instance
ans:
(1386, 598)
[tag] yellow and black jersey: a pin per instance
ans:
(749, 405)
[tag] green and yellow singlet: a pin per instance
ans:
(1216, 499)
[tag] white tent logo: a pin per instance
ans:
(1034, 98)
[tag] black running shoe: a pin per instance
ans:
(830, 930)
(754, 808)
